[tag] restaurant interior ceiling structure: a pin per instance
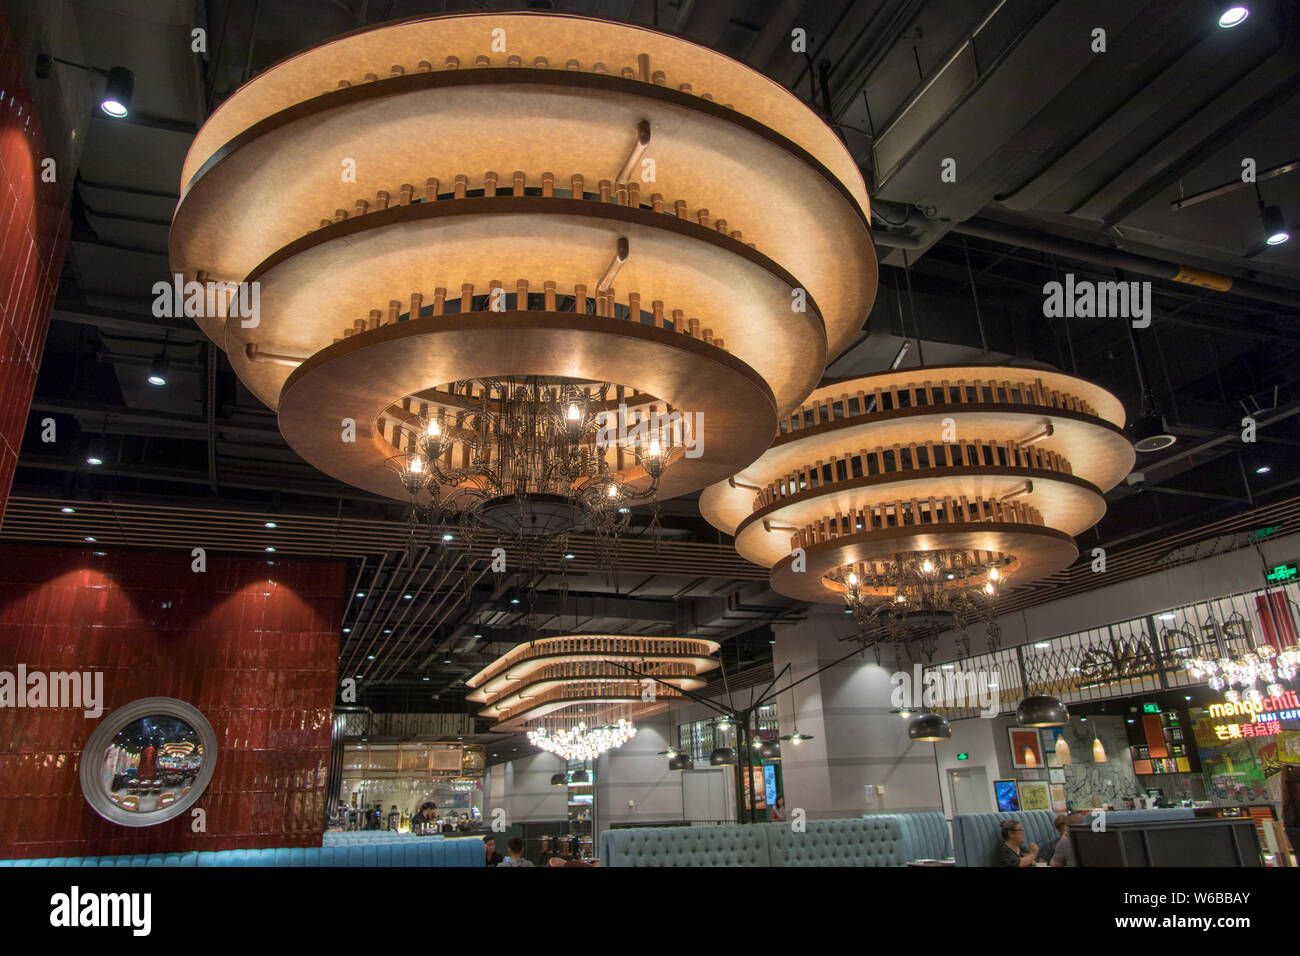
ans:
(1068, 165)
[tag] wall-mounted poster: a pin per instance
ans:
(1058, 797)
(1026, 750)
(1035, 795)
(1056, 775)
(1005, 792)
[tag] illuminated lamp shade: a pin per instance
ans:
(681, 761)
(929, 727)
(722, 756)
(969, 529)
(1028, 758)
(1041, 710)
(1098, 751)
(558, 779)
(1063, 752)
(677, 294)
(771, 750)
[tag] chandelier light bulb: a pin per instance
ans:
(853, 580)
(574, 414)
(433, 430)
(994, 574)
(988, 588)
(927, 566)
(417, 465)
(654, 448)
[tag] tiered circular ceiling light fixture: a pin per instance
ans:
(917, 496)
(579, 696)
(551, 267)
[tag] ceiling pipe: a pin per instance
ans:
(1115, 259)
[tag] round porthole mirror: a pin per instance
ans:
(148, 761)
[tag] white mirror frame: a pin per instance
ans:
(92, 785)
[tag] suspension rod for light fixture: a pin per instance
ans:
(254, 354)
(1047, 432)
(1025, 489)
(620, 257)
(638, 150)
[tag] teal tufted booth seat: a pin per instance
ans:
(975, 836)
(870, 841)
(925, 835)
(348, 838)
(414, 853)
(728, 845)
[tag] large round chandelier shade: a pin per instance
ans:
(580, 695)
(923, 493)
(395, 223)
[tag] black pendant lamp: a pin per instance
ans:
(681, 761)
(1042, 710)
(722, 756)
(929, 727)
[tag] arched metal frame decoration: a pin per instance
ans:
(112, 725)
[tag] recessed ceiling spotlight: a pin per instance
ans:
(1232, 15)
(361, 594)
(68, 511)
(269, 524)
(347, 630)
(270, 550)
(448, 536)
(1263, 469)
(94, 460)
(407, 597)
(89, 539)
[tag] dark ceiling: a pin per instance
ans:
(1068, 161)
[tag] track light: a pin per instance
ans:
(1232, 15)
(117, 92)
(158, 369)
(1275, 231)
(118, 88)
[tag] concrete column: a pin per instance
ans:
(857, 741)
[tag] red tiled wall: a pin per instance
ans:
(254, 646)
(33, 237)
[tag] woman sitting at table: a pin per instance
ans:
(1012, 850)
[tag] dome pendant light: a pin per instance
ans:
(1041, 710)
(929, 727)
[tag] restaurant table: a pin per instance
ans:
(932, 863)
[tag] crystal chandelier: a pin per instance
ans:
(916, 596)
(580, 742)
(532, 460)
(1238, 676)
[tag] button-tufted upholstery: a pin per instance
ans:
(925, 835)
(407, 853)
(349, 837)
(871, 841)
(976, 836)
(728, 845)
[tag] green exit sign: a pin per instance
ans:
(963, 756)
(1283, 572)
(1150, 708)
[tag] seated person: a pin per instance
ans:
(515, 853)
(1012, 850)
(1063, 854)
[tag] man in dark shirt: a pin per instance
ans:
(490, 855)
(1012, 850)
